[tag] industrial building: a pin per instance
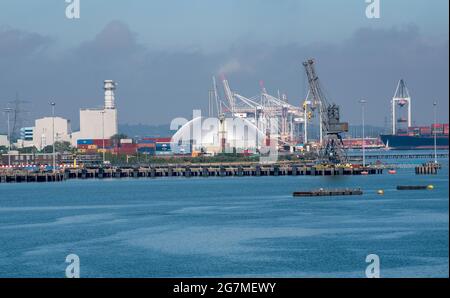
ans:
(43, 134)
(26, 138)
(99, 123)
(4, 141)
(26, 133)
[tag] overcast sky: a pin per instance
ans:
(164, 52)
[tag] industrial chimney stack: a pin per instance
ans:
(109, 86)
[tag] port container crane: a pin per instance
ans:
(332, 150)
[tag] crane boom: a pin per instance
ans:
(333, 148)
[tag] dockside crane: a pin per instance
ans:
(332, 150)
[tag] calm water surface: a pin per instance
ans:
(222, 227)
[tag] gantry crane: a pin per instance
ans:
(332, 149)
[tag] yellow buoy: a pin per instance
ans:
(430, 187)
(380, 192)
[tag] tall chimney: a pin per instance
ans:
(109, 87)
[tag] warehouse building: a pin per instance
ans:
(99, 123)
(43, 134)
(4, 141)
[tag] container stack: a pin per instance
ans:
(146, 146)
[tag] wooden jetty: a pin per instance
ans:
(27, 176)
(191, 170)
(324, 192)
(219, 170)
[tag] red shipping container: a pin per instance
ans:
(437, 125)
(146, 145)
(128, 151)
(425, 130)
(159, 140)
(99, 142)
(128, 146)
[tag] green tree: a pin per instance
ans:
(3, 149)
(60, 147)
(47, 149)
(63, 146)
(28, 150)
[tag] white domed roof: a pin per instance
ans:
(204, 133)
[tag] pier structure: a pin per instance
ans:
(398, 156)
(27, 176)
(192, 170)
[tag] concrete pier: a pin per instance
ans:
(224, 170)
(25, 176)
(192, 170)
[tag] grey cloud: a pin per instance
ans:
(158, 85)
(17, 43)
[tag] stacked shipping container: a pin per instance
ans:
(162, 145)
(439, 129)
(146, 146)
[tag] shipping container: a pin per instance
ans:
(162, 146)
(85, 142)
(425, 131)
(126, 146)
(413, 128)
(163, 153)
(146, 145)
(143, 141)
(146, 150)
(126, 141)
(159, 140)
(100, 142)
(127, 151)
(81, 146)
(437, 125)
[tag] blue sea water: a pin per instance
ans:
(225, 227)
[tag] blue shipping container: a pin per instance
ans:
(85, 142)
(146, 142)
(146, 150)
(163, 153)
(162, 146)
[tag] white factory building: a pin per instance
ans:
(4, 141)
(43, 131)
(99, 123)
(95, 123)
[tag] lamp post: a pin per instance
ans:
(52, 104)
(434, 133)
(363, 102)
(103, 135)
(8, 111)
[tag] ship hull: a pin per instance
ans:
(400, 142)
